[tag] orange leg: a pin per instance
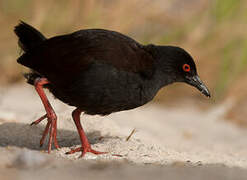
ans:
(86, 147)
(50, 115)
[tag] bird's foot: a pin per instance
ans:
(84, 150)
(50, 115)
(50, 126)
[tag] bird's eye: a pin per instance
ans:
(186, 68)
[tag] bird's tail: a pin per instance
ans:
(28, 36)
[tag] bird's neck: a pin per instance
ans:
(150, 87)
(162, 78)
(163, 70)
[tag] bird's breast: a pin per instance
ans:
(104, 89)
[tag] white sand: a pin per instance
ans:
(164, 135)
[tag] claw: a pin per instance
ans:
(51, 126)
(84, 151)
(39, 120)
(86, 147)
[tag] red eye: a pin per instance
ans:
(186, 68)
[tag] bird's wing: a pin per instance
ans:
(73, 53)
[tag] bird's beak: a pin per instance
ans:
(197, 82)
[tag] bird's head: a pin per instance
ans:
(177, 64)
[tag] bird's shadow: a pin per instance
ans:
(24, 135)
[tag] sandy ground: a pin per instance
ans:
(174, 143)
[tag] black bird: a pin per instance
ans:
(99, 72)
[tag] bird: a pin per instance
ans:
(98, 72)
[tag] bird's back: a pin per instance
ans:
(68, 55)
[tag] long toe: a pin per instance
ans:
(72, 151)
(51, 129)
(84, 151)
(39, 120)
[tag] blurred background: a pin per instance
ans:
(213, 31)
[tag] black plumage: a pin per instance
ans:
(101, 71)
